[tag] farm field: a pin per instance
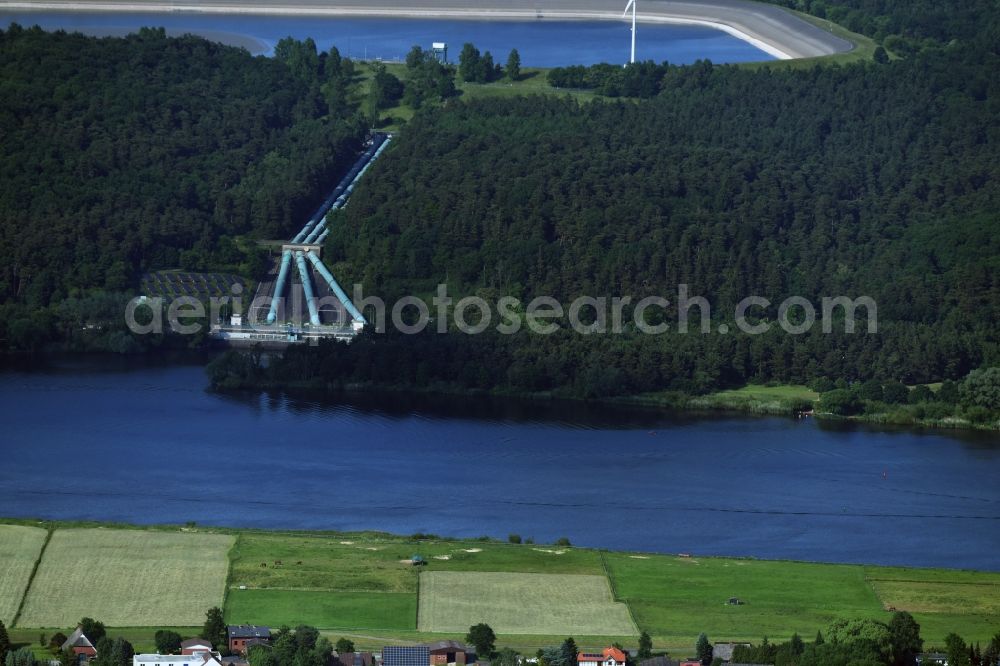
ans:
(523, 603)
(941, 599)
(362, 585)
(127, 577)
(673, 597)
(388, 611)
(19, 549)
(364, 582)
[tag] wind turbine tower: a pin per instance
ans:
(631, 5)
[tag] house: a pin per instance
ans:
(195, 645)
(356, 659)
(234, 660)
(609, 657)
(724, 651)
(80, 645)
(443, 653)
(690, 662)
(932, 659)
(198, 659)
(406, 655)
(241, 635)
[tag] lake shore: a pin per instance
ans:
(769, 28)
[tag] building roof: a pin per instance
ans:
(724, 651)
(447, 646)
(249, 631)
(355, 659)
(195, 642)
(614, 653)
(196, 659)
(77, 639)
(406, 655)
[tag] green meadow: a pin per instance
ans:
(364, 586)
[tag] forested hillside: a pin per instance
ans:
(875, 179)
(124, 155)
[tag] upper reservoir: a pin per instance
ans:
(541, 43)
(140, 441)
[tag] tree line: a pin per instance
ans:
(120, 156)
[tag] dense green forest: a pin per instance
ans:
(123, 155)
(875, 179)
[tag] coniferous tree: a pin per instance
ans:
(703, 649)
(513, 68)
(645, 646)
(215, 630)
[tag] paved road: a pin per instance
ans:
(768, 27)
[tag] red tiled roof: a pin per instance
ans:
(614, 653)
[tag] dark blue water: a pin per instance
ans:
(147, 444)
(541, 43)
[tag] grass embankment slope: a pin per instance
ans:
(782, 399)
(534, 80)
(361, 585)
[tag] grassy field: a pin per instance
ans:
(783, 399)
(941, 599)
(672, 597)
(387, 611)
(759, 399)
(363, 587)
(19, 549)
(315, 573)
(127, 577)
(521, 603)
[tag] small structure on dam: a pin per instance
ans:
(301, 301)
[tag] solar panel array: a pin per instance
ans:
(168, 284)
(401, 655)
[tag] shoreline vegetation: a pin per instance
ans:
(771, 399)
(364, 585)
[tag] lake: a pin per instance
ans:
(541, 43)
(141, 441)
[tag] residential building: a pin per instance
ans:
(443, 653)
(195, 645)
(609, 657)
(241, 635)
(198, 659)
(80, 645)
(724, 651)
(356, 659)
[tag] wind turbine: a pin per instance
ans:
(631, 4)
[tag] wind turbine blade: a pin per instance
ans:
(629, 6)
